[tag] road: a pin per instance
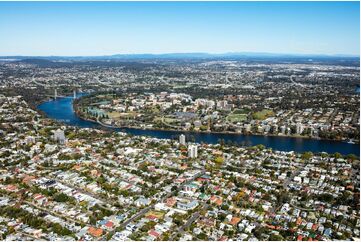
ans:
(55, 213)
(31, 236)
(104, 125)
(191, 220)
(296, 83)
(85, 192)
(136, 216)
(144, 211)
(302, 209)
(169, 125)
(288, 180)
(147, 209)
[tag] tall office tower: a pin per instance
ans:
(192, 151)
(182, 139)
(299, 128)
(283, 129)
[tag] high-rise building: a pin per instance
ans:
(299, 128)
(182, 139)
(283, 129)
(59, 136)
(192, 151)
(288, 131)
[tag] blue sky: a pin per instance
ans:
(103, 28)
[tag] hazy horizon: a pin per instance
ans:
(238, 53)
(111, 28)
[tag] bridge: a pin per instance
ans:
(56, 95)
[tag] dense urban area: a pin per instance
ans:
(319, 99)
(62, 182)
(177, 111)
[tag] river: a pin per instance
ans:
(61, 110)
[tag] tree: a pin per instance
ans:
(325, 197)
(61, 197)
(282, 197)
(337, 155)
(275, 237)
(307, 155)
(221, 216)
(202, 236)
(259, 232)
(351, 157)
(57, 228)
(219, 160)
(225, 207)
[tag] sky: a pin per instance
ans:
(107, 28)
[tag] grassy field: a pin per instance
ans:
(170, 120)
(261, 115)
(241, 111)
(117, 115)
(238, 115)
(234, 118)
(114, 115)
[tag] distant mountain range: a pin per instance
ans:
(198, 55)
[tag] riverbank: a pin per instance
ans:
(172, 128)
(62, 109)
(208, 132)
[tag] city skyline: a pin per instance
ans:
(179, 121)
(108, 28)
